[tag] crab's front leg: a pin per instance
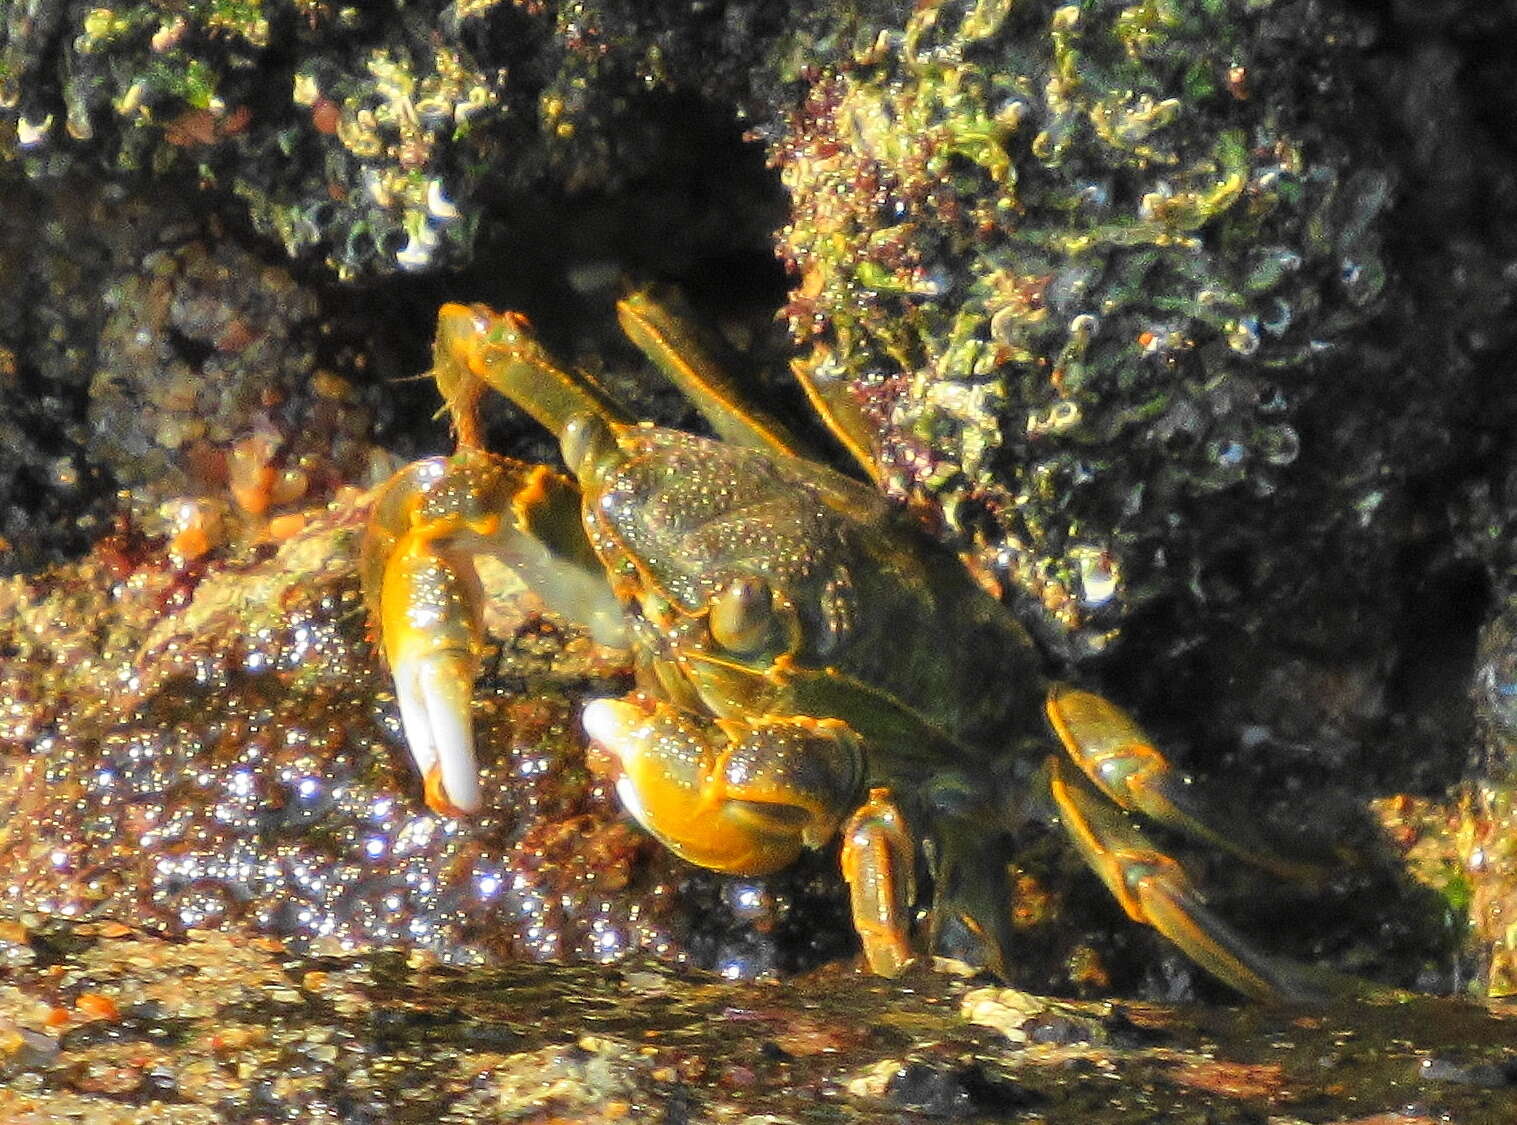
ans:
(427, 525)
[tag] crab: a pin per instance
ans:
(809, 663)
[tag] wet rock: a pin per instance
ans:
(1488, 1075)
(1024, 1018)
(206, 390)
(219, 749)
(243, 775)
(251, 1028)
(951, 1091)
(161, 373)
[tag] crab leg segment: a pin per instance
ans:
(664, 337)
(879, 863)
(426, 526)
(1114, 752)
(1154, 890)
(739, 797)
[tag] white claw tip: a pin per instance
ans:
(631, 800)
(434, 701)
(610, 722)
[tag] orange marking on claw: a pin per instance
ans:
(437, 797)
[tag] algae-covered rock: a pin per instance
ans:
(369, 136)
(335, 125)
(1081, 266)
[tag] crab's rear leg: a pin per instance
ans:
(1154, 890)
(1120, 760)
(427, 525)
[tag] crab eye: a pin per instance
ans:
(742, 615)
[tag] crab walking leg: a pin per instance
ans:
(1114, 752)
(971, 883)
(1154, 890)
(879, 863)
(739, 797)
(664, 337)
(426, 527)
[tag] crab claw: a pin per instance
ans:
(427, 526)
(739, 797)
(430, 630)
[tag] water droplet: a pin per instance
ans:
(1229, 452)
(1279, 445)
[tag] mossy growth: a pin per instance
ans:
(1067, 258)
